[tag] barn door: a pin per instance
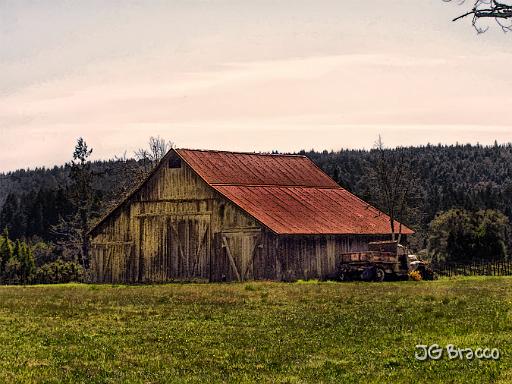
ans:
(110, 261)
(188, 239)
(235, 255)
(174, 246)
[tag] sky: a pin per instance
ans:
(246, 75)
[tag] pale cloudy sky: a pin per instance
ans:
(245, 75)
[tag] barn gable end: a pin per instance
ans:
(166, 231)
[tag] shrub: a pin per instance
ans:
(17, 264)
(59, 272)
(45, 253)
(5, 251)
(13, 271)
(460, 236)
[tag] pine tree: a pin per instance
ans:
(27, 263)
(76, 228)
(13, 265)
(6, 252)
(35, 224)
(12, 216)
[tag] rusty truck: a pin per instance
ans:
(384, 260)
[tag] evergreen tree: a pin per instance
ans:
(12, 272)
(26, 261)
(6, 251)
(35, 222)
(13, 217)
(463, 236)
(83, 198)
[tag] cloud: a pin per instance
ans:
(98, 98)
(326, 101)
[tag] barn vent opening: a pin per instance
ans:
(175, 162)
(222, 208)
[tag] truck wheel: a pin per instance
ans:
(379, 275)
(344, 276)
(368, 274)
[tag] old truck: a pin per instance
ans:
(383, 260)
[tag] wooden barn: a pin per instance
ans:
(225, 216)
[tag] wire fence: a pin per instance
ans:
(477, 268)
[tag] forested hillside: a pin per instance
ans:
(458, 176)
(461, 176)
(33, 201)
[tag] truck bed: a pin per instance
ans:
(368, 257)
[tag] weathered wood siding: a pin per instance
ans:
(312, 257)
(167, 231)
(179, 228)
(262, 255)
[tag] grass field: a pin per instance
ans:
(265, 332)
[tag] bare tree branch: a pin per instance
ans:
(488, 9)
(157, 148)
(394, 184)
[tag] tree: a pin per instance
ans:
(492, 232)
(21, 266)
(393, 177)
(150, 157)
(75, 228)
(461, 236)
(450, 236)
(12, 273)
(26, 261)
(500, 11)
(83, 195)
(35, 222)
(13, 217)
(6, 251)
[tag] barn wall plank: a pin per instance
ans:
(169, 226)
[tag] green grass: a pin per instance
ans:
(248, 332)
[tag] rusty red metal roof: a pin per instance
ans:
(288, 194)
(308, 210)
(217, 167)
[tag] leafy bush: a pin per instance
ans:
(16, 261)
(13, 272)
(59, 272)
(458, 235)
(18, 264)
(45, 253)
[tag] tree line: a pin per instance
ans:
(47, 213)
(17, 263)
(23, 262)
(450, 191)
(463, 177)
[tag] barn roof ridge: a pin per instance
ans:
(275, 185)
(223, 167)
(261, 153)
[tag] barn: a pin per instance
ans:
(230, 216)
